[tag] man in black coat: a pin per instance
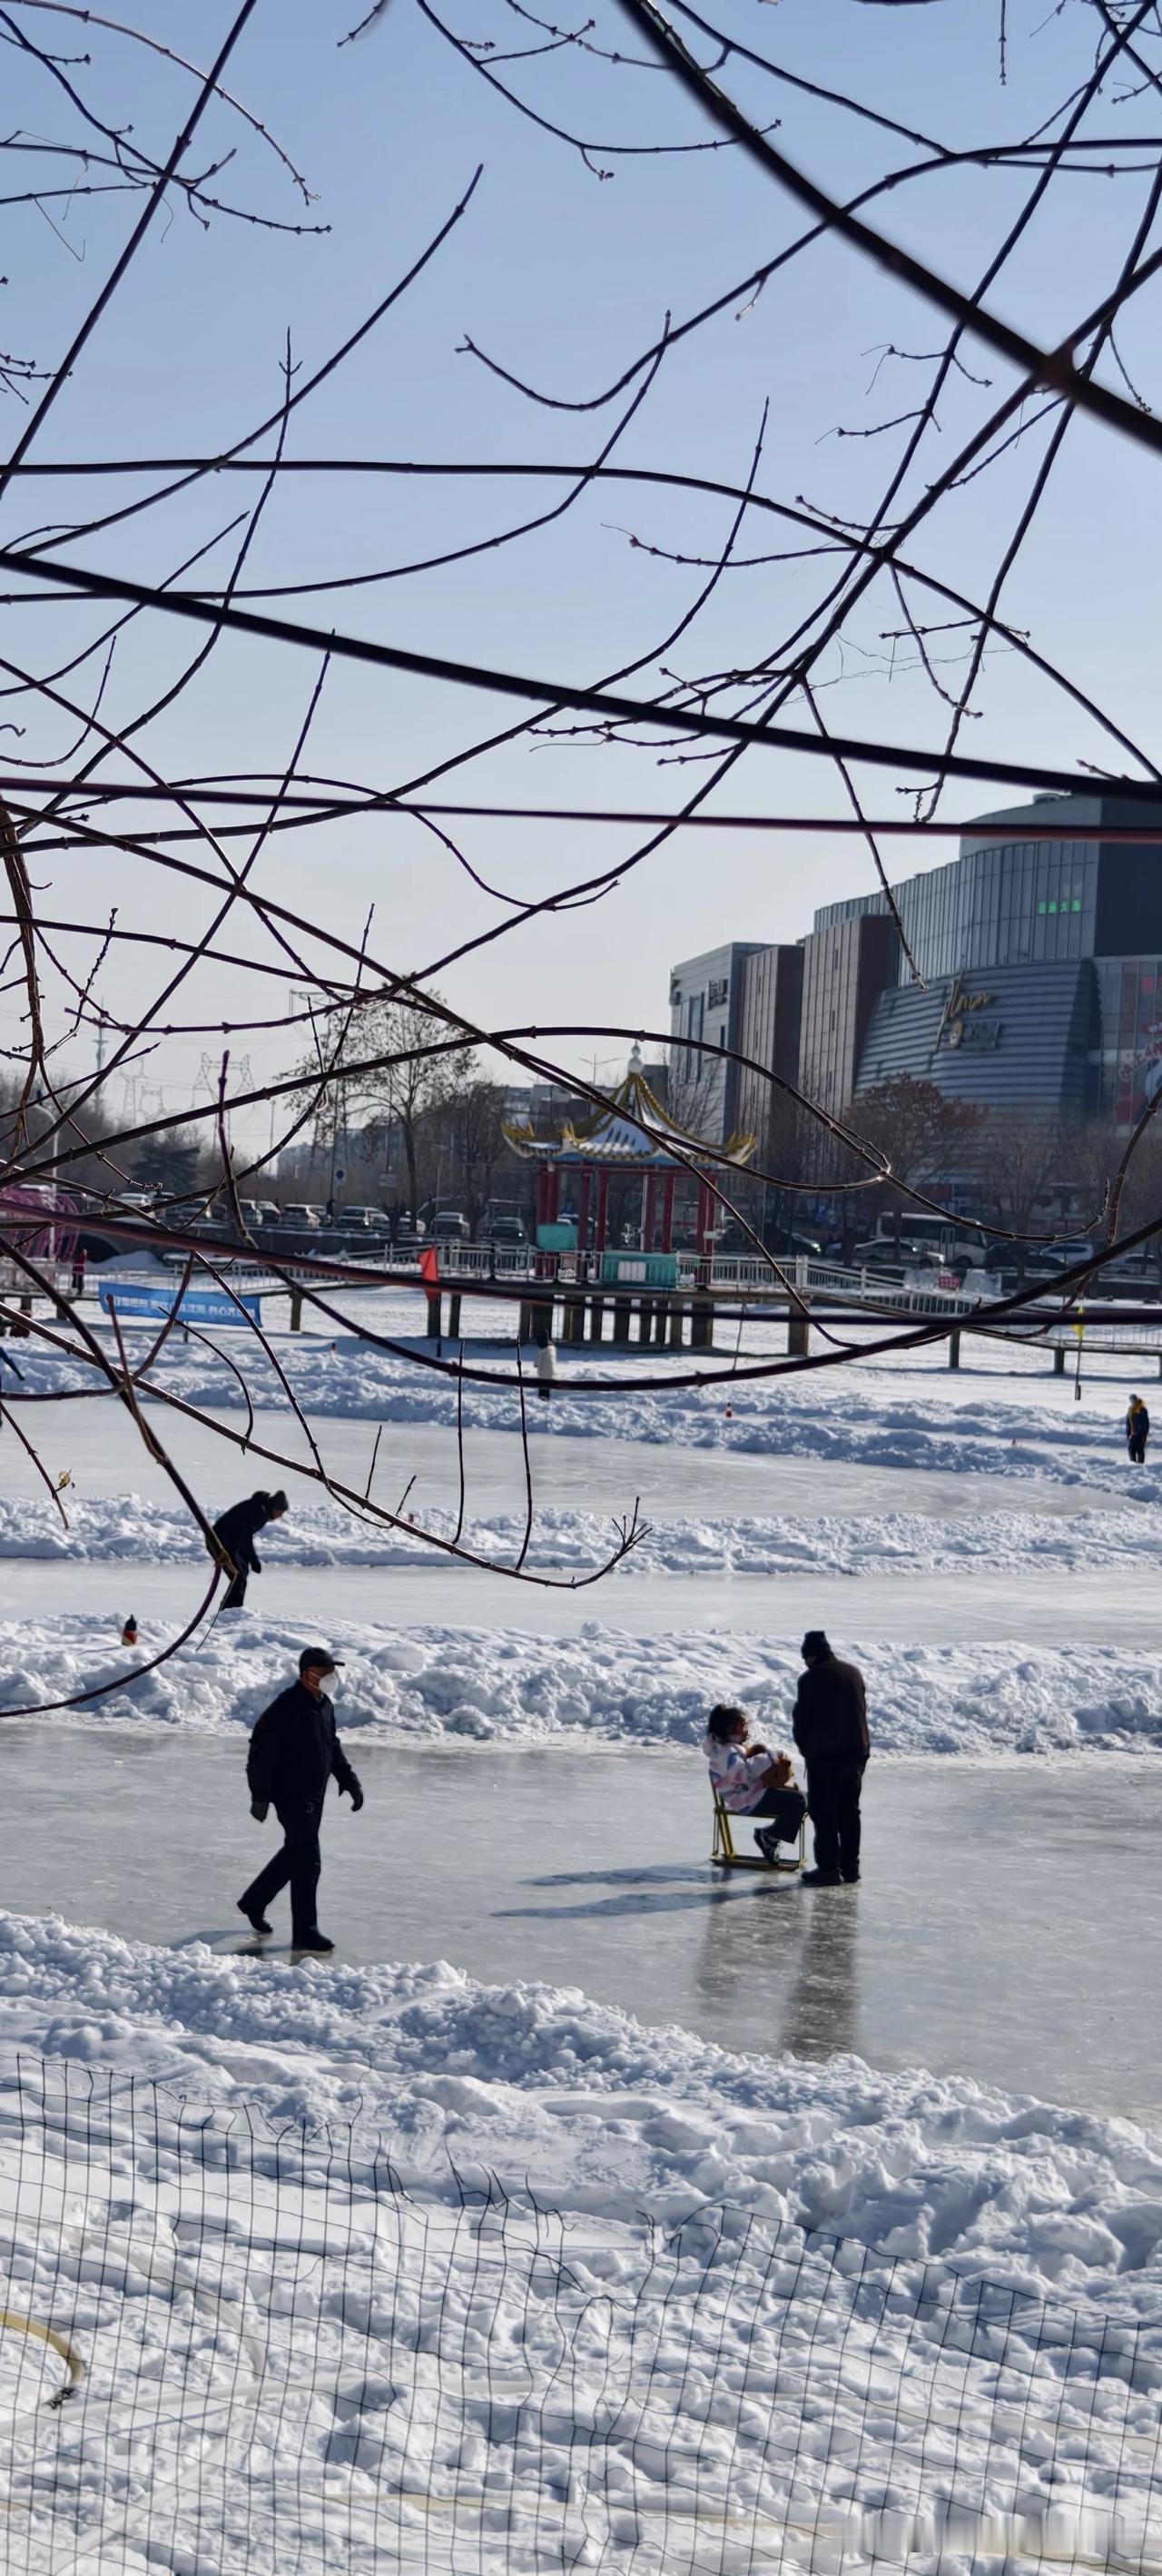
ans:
(830, 1729)
(237, 1530)
(294, 1752)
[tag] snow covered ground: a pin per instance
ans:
(602, 1686)
(1013, 1418)
(360, 2351)
(125, 1530)
(568, 2313)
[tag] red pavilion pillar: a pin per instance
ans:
(602, 1208)
(542, 1193)
(650, 1212)
(583, 1209)
(668, 1187)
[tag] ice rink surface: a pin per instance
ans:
(999, 1930)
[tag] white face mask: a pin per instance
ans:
(332, 1683)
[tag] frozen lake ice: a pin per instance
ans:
(956, 1607)
(999, 1932)
(94, 1440)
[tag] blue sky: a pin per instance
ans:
(563, 277)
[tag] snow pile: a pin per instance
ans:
(121, 1528)
(273, 2351)
(878, 1415)
(603, 2115)
(602, 1686)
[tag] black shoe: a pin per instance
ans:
(257, 1922)
(820, 1878)
(767, 1841)
(316, 1942)
(851, 1878)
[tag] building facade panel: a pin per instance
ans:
(770, 1014)
(706, 1004)
(845, 966)
(1013, 1037)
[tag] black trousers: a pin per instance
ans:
(236, 1593)
(300, 1861)
(1138, 1453)
(833, 1806)
(783, 1803)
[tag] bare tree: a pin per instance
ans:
(922, 1136)
(390, 1063)
(1023, 1154)
(759, 589)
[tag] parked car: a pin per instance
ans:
(787, 1247)
(506, 1231)
(450, 1226)
(370, 1217)
(298, 1213)
(1046, 1259)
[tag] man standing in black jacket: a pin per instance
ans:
(237, 1529)
(830, 1729)
(294, 1750)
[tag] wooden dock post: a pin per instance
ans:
(701, 1323)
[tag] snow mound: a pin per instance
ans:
(122, 1529)
(880, 1415)
(268, 2335)
(605, 2117)
(603, 1686)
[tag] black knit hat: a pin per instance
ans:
(815, 1643)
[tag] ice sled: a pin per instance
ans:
(724, 1853)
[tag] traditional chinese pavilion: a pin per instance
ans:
(631, 1133)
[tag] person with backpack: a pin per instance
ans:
(237, 1530)
(1137, 1431)
(830, 1730)
(750, 1780)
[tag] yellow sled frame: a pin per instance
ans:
(726, 1857)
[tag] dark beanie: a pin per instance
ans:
(815, 1643)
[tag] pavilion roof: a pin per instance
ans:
(618, 1135)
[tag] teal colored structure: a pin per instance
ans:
(639, 1269)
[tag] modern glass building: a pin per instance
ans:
(1055, 942)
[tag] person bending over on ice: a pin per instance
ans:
(294, 1752)
(830, 1729)
(750, 1780)
(237, 1531)
(1137, 1431)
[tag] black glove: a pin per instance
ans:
(355, 1793)
(260, 1809)
(255, 1567)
